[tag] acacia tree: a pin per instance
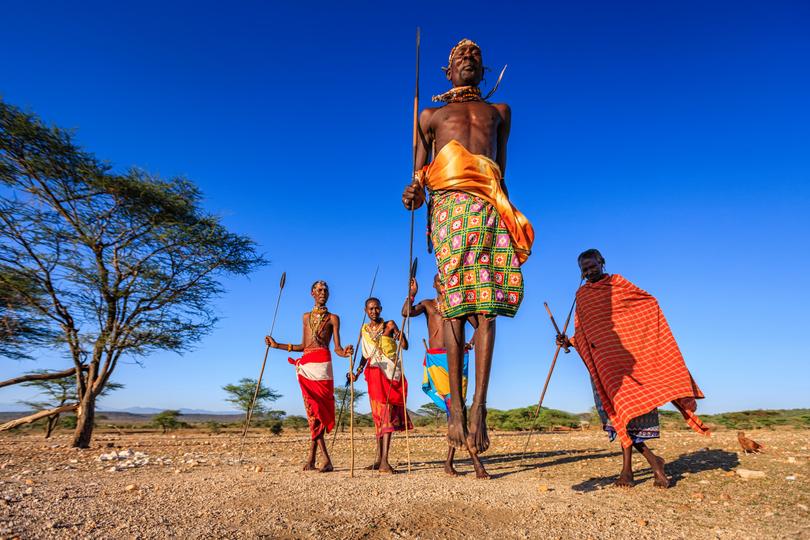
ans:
(127, 263)
(430, 409)
(241, 396)
(342, 397)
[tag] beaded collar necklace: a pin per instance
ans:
(460, 94)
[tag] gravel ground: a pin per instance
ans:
(191, 485)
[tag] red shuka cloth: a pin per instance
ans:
(317, 387)
(628, 348)
(390, 418)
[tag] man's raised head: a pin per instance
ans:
(320, 292)
(591, 265)
(465, 66)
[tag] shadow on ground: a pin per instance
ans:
(693, 463)
(516, 462)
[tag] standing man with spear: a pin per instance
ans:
(480, 238)
(314, 370)
(633, 360)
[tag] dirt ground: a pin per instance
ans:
(191, 485)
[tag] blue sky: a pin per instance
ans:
(672, 137)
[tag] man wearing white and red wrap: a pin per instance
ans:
(314, 371)
(633, 360)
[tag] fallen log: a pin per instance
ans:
(36, 416)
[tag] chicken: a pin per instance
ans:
(749, 445)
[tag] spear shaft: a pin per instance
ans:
(264, 363)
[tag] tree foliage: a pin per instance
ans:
(432, 411)
(241, 395)
(21, 327)
(120, 263)
(343, 396)
(168, 420)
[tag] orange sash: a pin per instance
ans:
(456, 169)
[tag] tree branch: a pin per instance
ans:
(36, 416)
(41, 377)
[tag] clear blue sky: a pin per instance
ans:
(672, 137)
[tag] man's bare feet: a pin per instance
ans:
(477, 437)
(661, 479)
(449, 470)
(457, 428)
(625, 480)
(309, 466)
(326, 467)
(480, 472)
(386, 468)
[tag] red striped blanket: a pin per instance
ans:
(627, 346)
(314, 371)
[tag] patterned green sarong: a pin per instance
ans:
(477, 264)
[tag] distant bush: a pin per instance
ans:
(295, 422)
(276, 427)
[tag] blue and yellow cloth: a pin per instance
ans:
(436, 379)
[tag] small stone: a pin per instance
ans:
(28, 491)
(747, 474)
(29, 482)
(542, 488)
(704, 482)
(791, 459)
(802, 506)
(177, 471)
(259, 469)
(725, 497)
(790, 478)
(131, 487)
(730, 473)
(642, 522)
(697, 495)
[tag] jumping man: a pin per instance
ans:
(480, 238)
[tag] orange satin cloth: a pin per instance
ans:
(456, 169)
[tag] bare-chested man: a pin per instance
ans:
(385, 380)
(436, 383)
(314, 371)
(480, 239)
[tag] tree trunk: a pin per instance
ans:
(85, 415)
(51, 424)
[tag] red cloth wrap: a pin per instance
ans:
(628, 348)
(319, 395)
(391, 417)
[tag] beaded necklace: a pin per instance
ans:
(317, 320)
(460, 94)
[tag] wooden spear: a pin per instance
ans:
(550, 371)
(261, 373)
(352, 359)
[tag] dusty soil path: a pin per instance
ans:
(190, 485)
